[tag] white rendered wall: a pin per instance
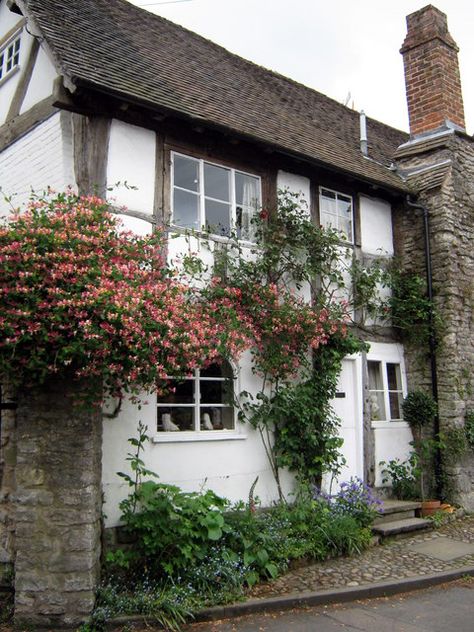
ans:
(131, 160)
(229, 466)
(296, 184)
(41, 82)
(376, 226)
(392, 438)
(40, 159)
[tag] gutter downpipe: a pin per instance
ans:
(432, 339)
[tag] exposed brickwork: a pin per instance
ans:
(57, 507)
(451, 211)
(432, 77)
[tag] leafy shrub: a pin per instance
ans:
(171, 528)
(419, 409)
(356, 499)
(404, 476)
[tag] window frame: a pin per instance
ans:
(383, 361)
(346, 240)
(202, 195)
(4, 46)
(199, 434)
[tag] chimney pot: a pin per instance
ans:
(432, 79)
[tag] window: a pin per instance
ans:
(201, 404)
(335, 211)
(10, 56)
(214, 198)
(385, 391)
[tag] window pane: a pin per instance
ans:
(213, 392)
(180, 393)
(395, 399)
(175, 419)
(221, 418)
(213, 370)
(328, 194)
(247, 197)
(186, 173)
(393, 377)
(216, 182)
(186, 209)
(376, 406)
(217, 217)
(375, 375)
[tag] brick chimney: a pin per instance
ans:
(433, 84)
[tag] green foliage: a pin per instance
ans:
(192, 550)
(419, 409)
(454, 445)
(357, 500)
(411, 311)
(404, 477)
(300, 415)
(469, 428)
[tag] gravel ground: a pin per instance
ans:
(391, 560)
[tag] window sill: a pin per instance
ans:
(389, 424)
(202, 234)
(191, 437)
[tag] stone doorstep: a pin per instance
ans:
(394, 510)
(402, 526)
(397, 506)
(392, 517)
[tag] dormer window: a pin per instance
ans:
(10, 56)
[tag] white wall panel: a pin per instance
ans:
(376, 226)
(131, 160)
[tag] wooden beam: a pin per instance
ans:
(146, 217)
(17, 27)
(21, 125)
(24, 82)
(91, 147)
(159, 203)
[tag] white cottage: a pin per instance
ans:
(99, 92)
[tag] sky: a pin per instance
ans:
(346, 49)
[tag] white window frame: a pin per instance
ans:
(388, 353)
(199, 434)
(202, 197)
(6, 74)
(348, 239)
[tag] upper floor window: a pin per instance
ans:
(200, 403)
(10, 56)
(385, 391)
(336, 212)
(217, 199)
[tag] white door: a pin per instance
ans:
(347, 406)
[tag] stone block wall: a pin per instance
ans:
(451, 212)
(57, 506)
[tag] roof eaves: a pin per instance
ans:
(393, 183)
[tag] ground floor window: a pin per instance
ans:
(385, 391)
(201, 403)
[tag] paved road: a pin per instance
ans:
(446, 608)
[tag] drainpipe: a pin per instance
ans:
(432, 340)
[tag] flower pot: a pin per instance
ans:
(429, 507)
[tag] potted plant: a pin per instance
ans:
(419, 410)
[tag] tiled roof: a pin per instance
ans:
(113, 46)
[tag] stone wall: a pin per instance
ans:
(57, 505)
(451, 212)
